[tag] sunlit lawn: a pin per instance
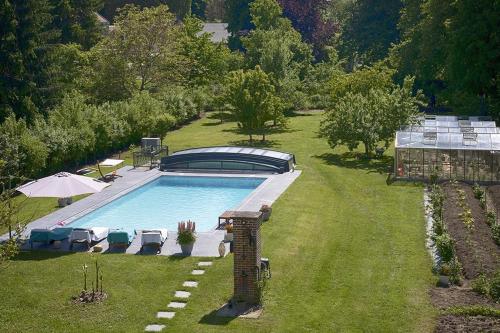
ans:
(347, 253)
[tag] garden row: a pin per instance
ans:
(465, 233)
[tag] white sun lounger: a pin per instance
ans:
(88, 236)
(153, 238)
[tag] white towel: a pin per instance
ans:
(153, 236)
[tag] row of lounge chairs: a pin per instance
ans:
(90, 236)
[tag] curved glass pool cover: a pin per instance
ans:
(232, 159)
(169, 199)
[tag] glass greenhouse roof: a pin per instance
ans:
(450, 132)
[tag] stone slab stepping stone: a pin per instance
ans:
(165, 314)
(154, 328)
(205, 263)
(198, 272)
(177, 305)
(190, 284)
(182, 294)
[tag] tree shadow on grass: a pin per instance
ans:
(355, 160)
(212, 319)
(255, 144)
(40, 254)
(224, 116)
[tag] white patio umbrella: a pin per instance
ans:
(62, 185)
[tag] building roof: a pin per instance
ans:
(218, 30)
(450, 132)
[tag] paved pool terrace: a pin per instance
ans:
(207, 242)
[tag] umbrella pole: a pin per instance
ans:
(99, 168)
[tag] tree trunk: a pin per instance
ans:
(263, 137)
(367, 149)
(251, 138)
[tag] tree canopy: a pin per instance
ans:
(253, 100)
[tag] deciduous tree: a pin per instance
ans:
(253, 100)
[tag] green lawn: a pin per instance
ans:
(347, 252)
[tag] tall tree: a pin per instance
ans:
(77, 21)
(473, 59)
(238, 20)
(145, 45)
(253, 101)
(23, 37)
(310, 19)
(371, 29)
(278, 49)
(369, 117)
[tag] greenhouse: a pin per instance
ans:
(451, 147)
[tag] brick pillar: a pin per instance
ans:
(247, 253)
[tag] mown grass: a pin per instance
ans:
(347, 253)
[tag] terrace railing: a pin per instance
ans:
(149, 158)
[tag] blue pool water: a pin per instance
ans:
(170, 199)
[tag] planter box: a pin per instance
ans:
(187, 249)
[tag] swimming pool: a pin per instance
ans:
(169, 199)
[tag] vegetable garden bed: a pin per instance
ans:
(474, 245)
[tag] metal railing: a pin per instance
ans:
(149, 158)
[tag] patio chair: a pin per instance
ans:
(153, 238)
(87, 236)
(40, 236)
(118, 238)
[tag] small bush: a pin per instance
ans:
(482, 202)
(438, 226)
(481, 285)
(478, 191)
(444, 244)
(455, 271)
(495, 287)
(491, 218)
(474, 311)
(495, 230)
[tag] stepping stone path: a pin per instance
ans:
(154, 328)
(167, 314)
(176, 305)
(190, 284)
(182, 294)
(198, 272)
(205, 263)
(178, 294)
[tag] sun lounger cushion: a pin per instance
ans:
(118, 237)
(59, 234)
(153, 236)
(80, 235)
(99, 233)
(40, 235)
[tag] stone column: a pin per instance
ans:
(247, 254)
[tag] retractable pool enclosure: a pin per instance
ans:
(229, 159)
(461, 148)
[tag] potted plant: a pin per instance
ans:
(266, 212)
(228, 237)
(186, 236)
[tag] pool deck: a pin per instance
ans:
(207, 242)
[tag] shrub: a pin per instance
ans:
(444, 244)
(186, 232)
(478, 191)
(481, 285)
(491, 218)
(455, 271)
(495, 287)
(438, 227)
(495, 230)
